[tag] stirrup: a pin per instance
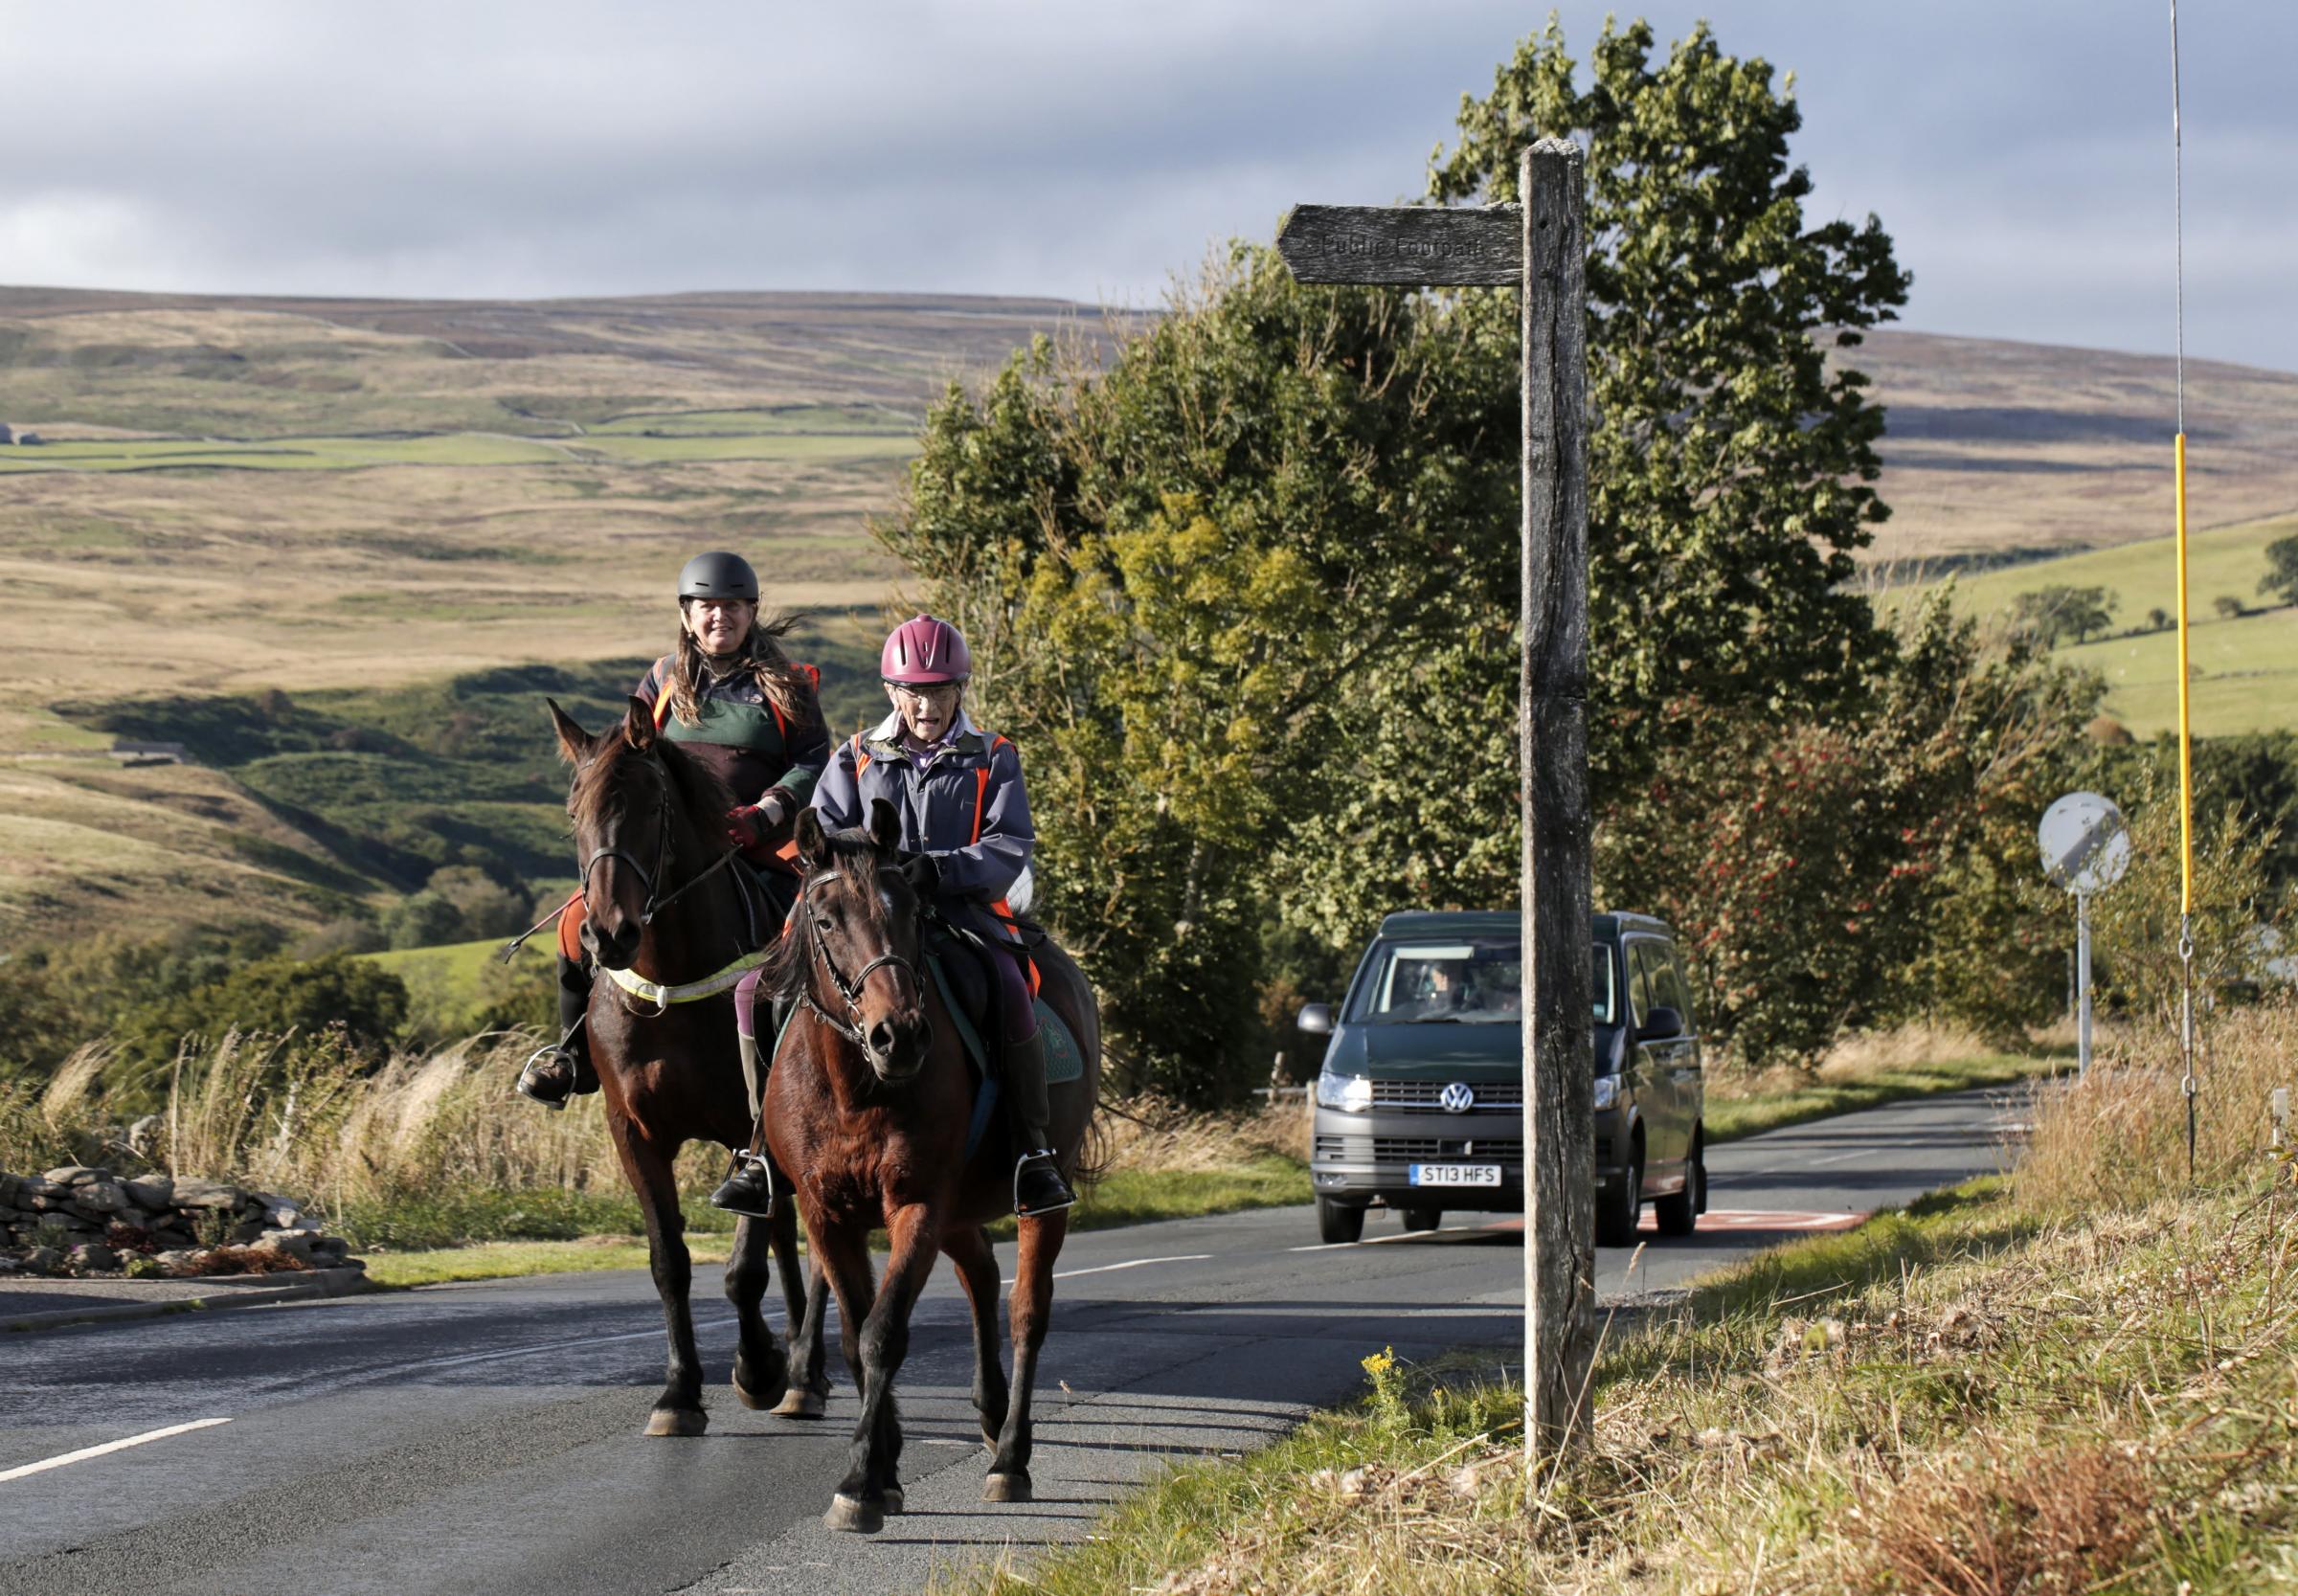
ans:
(526, 1090)
(1053, 1169)
(740, 1192)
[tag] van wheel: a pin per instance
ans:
(1423, 1218)
(1679, 1215)
(1618, 1209)
(1338, 1221)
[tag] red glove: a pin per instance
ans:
(753, 826)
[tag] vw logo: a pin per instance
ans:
(1456, 1098)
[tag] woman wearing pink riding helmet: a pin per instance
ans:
(966, 838)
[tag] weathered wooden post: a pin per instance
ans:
(1537, 247)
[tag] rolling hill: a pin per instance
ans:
(285, 529)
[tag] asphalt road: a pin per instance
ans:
(486, 1437)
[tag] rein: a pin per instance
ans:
(850, 990)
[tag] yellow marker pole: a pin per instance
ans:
(2186, 736)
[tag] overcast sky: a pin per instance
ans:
(2019, 150)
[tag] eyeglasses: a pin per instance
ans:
(938, 692)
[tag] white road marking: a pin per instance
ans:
(1129, 1262)
(86, 1452)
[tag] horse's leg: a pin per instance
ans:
(842, 1265)
(678, 1411)
(805, 1309)
(1032, 1312)
(872, 1484)
(976, 1261)
(761, 1370)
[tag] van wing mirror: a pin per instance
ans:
(1661, 1024)
(1316, 1019)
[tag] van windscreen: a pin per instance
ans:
(1477, 982)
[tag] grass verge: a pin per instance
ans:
(555, 1232)
(1967, 1397)
(2076, 1378)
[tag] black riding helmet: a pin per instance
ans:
(718, 575)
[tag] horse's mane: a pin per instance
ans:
(853, 854)
(701, 791)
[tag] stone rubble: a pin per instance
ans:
(81, 1221)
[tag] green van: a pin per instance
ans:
(1420, 1104)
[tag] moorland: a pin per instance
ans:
(339, 549)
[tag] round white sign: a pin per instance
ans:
(2085, 842)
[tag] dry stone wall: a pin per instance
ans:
(81, 1220)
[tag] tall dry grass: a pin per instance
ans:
(299, 1115)
(2119, 1136)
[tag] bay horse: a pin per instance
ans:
(869, 1109)
(661, 902)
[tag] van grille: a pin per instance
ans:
(1424, 1096)
(1399, 1150)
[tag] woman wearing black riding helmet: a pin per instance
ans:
(731, 695)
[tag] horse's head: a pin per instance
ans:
(857, 921)
(625, 804)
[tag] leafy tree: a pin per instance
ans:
(422, 921)
(487, 907)
(2061, 611)
(2228, 606)
(2281, 580)
(340, 993)
(2158, 618)
(1853, 869)
(1728, 460)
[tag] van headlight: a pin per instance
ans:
(1607, 1092)
(1349, 1093)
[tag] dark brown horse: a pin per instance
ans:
(662, 902)
(868, 1108)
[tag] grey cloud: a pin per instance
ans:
(2018, 152)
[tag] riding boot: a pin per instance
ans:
(563, 1069)
(1038, 1188)
(747, 1188)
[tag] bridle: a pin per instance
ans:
(849, 989)
(656, 900)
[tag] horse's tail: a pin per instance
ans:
(1095, 1154)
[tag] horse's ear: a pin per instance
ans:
(573, 742)
(885, 825)
(813, 843)
(637, 725)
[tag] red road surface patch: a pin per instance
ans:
(1767, 1219)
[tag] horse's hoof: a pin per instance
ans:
(798, 1402)
(1007, 1488)
(894, 1500)
(758, 1402)
(677, 1421)
(853, 1516)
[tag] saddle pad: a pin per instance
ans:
(1062, 1060)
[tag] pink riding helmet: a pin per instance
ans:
(923, 650)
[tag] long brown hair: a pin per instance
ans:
(784, 685)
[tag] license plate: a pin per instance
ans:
(1453, 1175)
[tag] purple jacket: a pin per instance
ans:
(966, 806)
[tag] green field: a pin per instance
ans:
(635, 446)
(2245, 670)
(790, 419)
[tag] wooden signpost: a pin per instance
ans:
(1538, 248)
